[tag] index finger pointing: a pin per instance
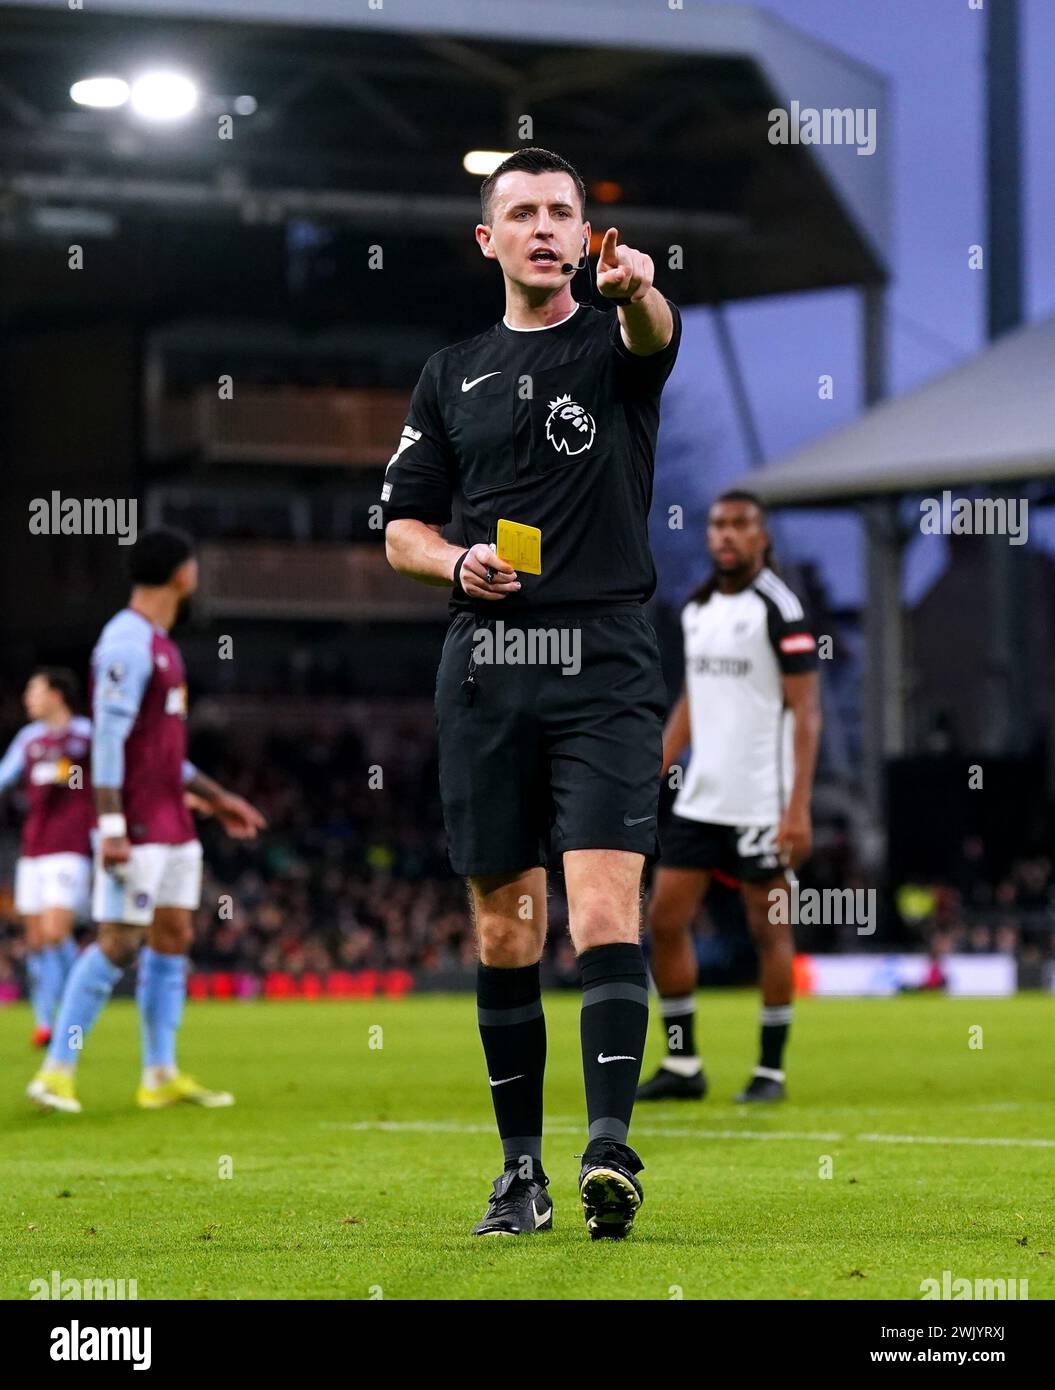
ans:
(607, 254)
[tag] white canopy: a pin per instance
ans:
(989, 420)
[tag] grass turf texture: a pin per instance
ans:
(318, 1208)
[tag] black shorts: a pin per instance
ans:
(532, 758)
(746, 852)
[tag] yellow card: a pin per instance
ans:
(520, 546)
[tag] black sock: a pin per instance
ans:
(679, 1021)
(513, 1032)
(613, 1025)
(775, 1020)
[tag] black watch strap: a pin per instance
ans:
(457, 577)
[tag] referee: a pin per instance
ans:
(536, 440)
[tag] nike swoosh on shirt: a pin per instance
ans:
(602, 1059)
(468, 385)
(636, 820)
(505, 1079)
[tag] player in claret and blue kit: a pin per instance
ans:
(148, 865)
(49, 756)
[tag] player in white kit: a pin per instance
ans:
(751, 711)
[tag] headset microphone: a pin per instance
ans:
(568, 269)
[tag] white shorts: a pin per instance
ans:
(53, 880)
(155, 876)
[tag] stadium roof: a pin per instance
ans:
(989, 420)
(364, 117)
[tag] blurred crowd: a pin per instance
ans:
(352, 875)
(352, 871)
(976, 910)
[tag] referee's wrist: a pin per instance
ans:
(456, 575)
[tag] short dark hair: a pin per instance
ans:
(734, 494)
(62, 679)
(739, 494)
(157, 555)
(530, 161)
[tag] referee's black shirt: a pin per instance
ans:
(551, 427)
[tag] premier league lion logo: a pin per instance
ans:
(569, 428)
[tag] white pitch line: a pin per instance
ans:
(663, 1133)
(659, 1132)
(1000, 1143)
(561, 1127)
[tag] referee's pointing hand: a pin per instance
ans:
(480, 562)
(621, 272)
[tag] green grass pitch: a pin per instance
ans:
(357, 1170)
